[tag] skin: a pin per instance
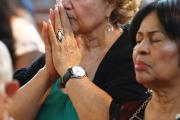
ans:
(6, 99)
(70, 47)
(82, 18)
(156, 60)
(92, 39)
(7, 86)
(85, 43)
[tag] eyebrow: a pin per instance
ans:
(151, 32)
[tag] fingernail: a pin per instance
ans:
(56, 8)
(61, 5)
(49, 21)
(50, 10)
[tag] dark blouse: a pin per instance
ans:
(130, 110)
(116, 74)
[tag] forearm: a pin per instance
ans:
(27, 100)
(90, 102)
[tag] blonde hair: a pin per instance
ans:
(124, 11)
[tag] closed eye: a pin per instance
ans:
(139, 38)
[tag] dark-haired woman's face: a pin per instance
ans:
(155, 56)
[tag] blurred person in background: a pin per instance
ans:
(27, 4)
(20, 35)
(22, 10)
(7, 88)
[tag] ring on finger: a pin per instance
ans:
(60, 35)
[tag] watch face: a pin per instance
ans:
(78, 71)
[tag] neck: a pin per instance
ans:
(164, 103)
(100, 38)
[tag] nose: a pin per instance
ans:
(143, 47)
(67, 4)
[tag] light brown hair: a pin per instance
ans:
(124, 11)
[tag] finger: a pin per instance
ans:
(65, 22)
(44, 31)
(46, 42)
(58, 25)
(52, 17)
(45, 37)
(52, 37)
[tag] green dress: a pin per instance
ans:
(57, 106)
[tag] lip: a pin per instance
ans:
(140, 65)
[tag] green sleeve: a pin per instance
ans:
(57, 106)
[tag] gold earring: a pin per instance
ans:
(109, 26)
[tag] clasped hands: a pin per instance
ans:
(62, 50)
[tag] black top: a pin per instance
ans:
(132, 109)
(115, 74)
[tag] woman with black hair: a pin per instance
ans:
(156, 34)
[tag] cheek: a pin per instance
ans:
(168, 53)
(89, 15)
(84, 21)
(134, 55)
(165, 61)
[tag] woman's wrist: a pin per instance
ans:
(44, 72)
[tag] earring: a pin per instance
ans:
(149, 91)
(109, 26)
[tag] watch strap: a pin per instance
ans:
(70, 74)
(65, 78)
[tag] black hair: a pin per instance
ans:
(6, 12)
(168, 12)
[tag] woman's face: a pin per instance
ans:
(86, 15)
(155, 56)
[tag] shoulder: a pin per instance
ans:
(23, 75)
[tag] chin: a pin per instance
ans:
(144, 80)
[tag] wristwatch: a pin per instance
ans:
(77, 72)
